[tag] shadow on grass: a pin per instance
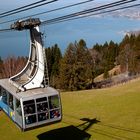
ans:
(70, 132)
(65, 133)
(120, 128)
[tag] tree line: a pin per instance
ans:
(11, 66)
(78, 67)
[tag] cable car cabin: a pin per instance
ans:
(31, 108)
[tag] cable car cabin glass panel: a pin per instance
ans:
(29, 112)
(4, 100)
(7, 103)
(54, 105)
(11, 107)
(18, 113)
(42, 109)
(11, 102)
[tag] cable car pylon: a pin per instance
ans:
(34, 74)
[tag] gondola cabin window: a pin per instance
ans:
(54, 107)
(29, 112)
(42, 109)
(10, 101)
(18, 107)
(4, 96)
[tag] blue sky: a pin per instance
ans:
(97, 29)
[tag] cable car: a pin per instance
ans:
(31, 108)
(27, 97)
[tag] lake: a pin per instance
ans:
(92, 29)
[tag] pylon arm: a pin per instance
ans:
(26, 24)
(33, 73)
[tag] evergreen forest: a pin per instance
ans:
(80, 65)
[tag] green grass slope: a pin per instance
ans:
(103, 114)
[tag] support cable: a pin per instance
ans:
(49, 11)
(88, 11)
(28, 8)
(25, 6)
(93, 14)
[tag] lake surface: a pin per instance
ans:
(92, 29)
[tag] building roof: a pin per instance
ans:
(29, 93)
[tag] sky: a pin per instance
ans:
(94, 29)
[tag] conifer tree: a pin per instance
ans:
(67, 68)
(53, 56)
(76, 66)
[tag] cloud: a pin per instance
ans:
(122, 32)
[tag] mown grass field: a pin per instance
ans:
(103, 114)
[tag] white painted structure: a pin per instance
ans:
(32, 75)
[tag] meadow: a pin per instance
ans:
(98, 114)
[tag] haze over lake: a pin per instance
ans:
(93, 30)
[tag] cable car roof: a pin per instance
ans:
(29, 93)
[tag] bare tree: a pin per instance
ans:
(12, 65)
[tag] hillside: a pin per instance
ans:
(115, 71)
(102, 114)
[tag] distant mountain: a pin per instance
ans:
(136, 33)
(131, 13)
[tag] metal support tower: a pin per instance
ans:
(35, 73)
